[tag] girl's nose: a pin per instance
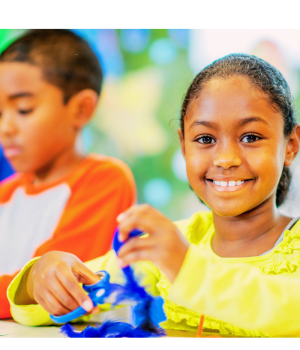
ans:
(227, 157)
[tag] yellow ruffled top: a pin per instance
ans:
(282, 259)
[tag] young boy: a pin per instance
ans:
(59, 199)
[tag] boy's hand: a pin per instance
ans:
(165, 246)
(53, 282)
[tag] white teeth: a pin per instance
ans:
(229, 183)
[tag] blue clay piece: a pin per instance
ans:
(110, 329)
(146, 314)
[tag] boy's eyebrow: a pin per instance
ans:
(20, 94)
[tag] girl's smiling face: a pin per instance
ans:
(234, 146)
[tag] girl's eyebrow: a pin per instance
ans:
(248, 120)
(206, 123)
(240, 123)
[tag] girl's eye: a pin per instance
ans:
(250, 138)
(206, 140)
(25, 111)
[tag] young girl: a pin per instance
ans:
(238, 264)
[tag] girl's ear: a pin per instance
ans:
(292, 146)
(181, 142)
(83, 105)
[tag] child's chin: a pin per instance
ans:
(20, 167)
(226, 212)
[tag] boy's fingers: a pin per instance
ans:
(70, 283)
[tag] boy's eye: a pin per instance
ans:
(206, 140)
(25, 111)
(250, 138)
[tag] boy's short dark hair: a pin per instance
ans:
(67, 61)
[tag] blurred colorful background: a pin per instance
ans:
(146, 75)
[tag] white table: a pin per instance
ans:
(11, 329)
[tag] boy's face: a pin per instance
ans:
(35, 125)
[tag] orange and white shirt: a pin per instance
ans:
(76, 214)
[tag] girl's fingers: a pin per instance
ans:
(70, 283)
(65, 298)
(51, 304)
(136, 255)
(43, 303)
(143, 218)
(136, 244)
(126, 213)
(95, 310)
(84, 275)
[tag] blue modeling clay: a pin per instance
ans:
(110, 329)
(147, 310)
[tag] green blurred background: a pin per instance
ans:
(146, 75)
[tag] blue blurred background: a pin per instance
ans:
(146, 75)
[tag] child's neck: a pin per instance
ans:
(249, 234)
(58, 167)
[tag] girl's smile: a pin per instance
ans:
(227, 184)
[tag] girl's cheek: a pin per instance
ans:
(196, 170)
(197, 162)
(266, 168)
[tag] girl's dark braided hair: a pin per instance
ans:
(262, 76)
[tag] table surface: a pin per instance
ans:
(11, 329)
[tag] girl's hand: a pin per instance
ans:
(165, 246)
(53, 282)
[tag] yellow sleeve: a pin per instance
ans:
(238, 294)
(35, 315)
(29, 315)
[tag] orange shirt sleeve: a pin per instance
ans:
(100, 191)
(4, 304)
(89, 220)
(7, 186)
